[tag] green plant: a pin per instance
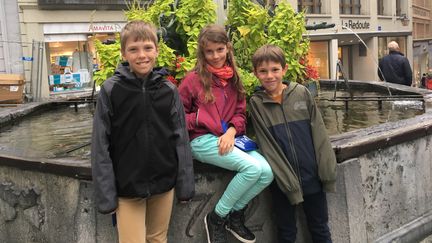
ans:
(250, 82)
(192, 16)
(251, 27)
(247, 22)
(152, 14)
(109, 56)
(286, 30)
(166, 57)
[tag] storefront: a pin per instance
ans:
(71, 53)
(422, 59)
(318, 57)
(355, 35)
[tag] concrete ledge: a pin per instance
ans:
(414, 231)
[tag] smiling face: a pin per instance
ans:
(271, 74)
(215, 54)
(141, 55)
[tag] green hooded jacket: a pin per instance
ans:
(293, 138)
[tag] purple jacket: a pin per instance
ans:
(203, 118)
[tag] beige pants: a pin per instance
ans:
(141, 219)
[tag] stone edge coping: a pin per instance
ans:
(355, 143)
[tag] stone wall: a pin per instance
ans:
(377, 193)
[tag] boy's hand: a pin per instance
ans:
(226, 141)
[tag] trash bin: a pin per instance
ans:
(11, 88)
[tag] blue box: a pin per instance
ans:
(55, 79)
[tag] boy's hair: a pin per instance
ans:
(217, 34)
(268, 53)
(139, 31)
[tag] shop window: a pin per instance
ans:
(349, 7)
(310, 6)
(318, 57)
(69, 65)
(72, 63)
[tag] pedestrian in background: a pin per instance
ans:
(395, 67)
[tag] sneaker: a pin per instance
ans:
(236, 226)
(215, 228)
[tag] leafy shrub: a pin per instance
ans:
(249, 26)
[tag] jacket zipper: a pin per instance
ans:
(291, 143)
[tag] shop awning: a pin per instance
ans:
(65, 37)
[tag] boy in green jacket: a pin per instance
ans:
(292, 137)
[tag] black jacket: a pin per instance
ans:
(140, 145)
(395, 68)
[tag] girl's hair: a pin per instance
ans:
(138, 30)
(217, 34)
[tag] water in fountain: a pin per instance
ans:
(361, 114)
(52, 134)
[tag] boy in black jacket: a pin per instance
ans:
(292, 137)
(140, 148)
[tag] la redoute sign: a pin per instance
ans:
(356, 24)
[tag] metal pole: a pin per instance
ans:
(336, 79)
(36, 76)
(40, 69)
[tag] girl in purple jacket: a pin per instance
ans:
(215, 104)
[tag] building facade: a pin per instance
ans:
(362, 29)
(10, 38)
(60, 37)
(422, 37)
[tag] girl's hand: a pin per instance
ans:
(226, 141)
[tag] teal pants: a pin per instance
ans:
(253, 172)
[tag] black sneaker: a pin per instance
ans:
(236, 226)
(215, 228)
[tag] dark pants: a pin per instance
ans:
(315, 209)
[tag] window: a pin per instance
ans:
(310, 6)
(380, 7)
(384, 7)
(398, 8)
(349, 6)
(318, 57)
